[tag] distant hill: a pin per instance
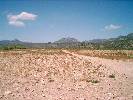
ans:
(11, 44)
(67, 40)
(6, 42)
(97, 40)
(121, 42)
(127, 37)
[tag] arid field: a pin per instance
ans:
(56, 74)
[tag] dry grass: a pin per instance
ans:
(109, 54)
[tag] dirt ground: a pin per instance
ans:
(63, 75)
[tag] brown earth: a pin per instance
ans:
(63, 75)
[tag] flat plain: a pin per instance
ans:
(55, 74)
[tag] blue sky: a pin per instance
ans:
(50, 20)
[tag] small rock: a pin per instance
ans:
(43, 95)
(7, 92)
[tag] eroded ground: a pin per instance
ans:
(63, 75)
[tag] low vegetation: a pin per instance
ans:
(112, 76)
(12, 47)
(95, 81)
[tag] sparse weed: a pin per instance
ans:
(94, 81)
(112, 76)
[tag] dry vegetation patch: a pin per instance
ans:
(109, 54)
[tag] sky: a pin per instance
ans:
(50, 20)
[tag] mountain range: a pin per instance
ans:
(121, 42)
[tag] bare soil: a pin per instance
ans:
(63, 75)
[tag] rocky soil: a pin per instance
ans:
(63, 75)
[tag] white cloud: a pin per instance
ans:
(112, 27)
(17, 23)
(18, 20)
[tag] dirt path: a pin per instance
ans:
(122, 67)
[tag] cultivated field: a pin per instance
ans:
(41, 74)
